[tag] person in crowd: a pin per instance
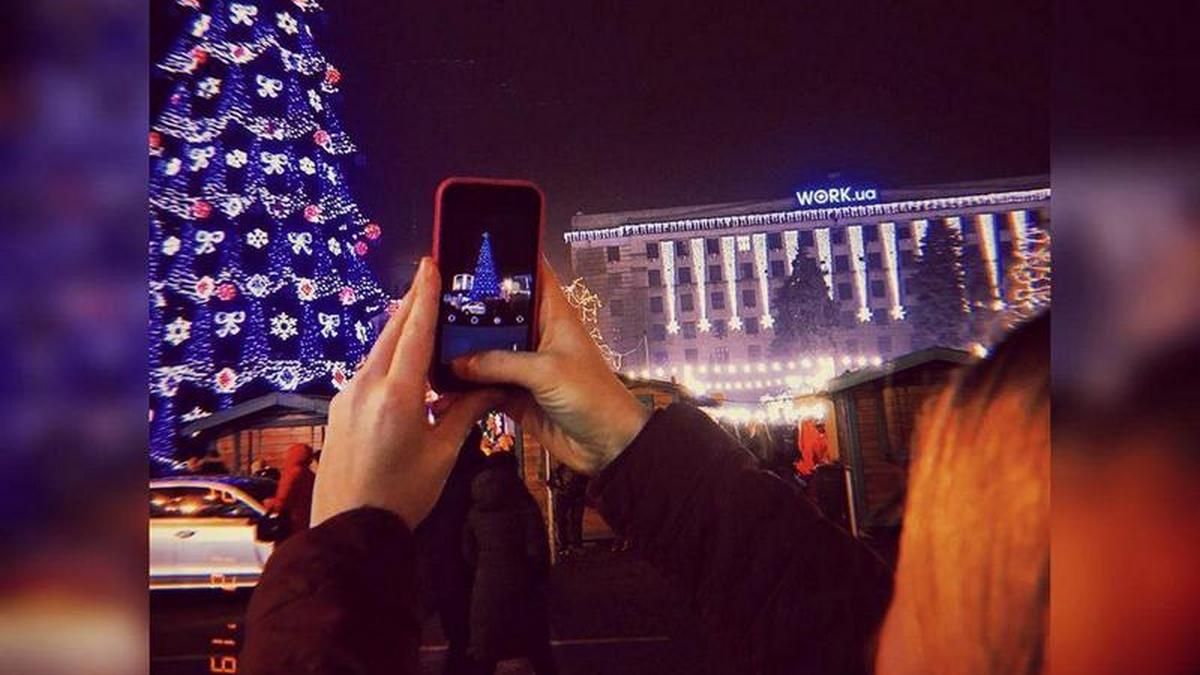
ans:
(260, 469)
(785, 589)
(439, 540)
(505, 542)
(570, 496)
(294, 494)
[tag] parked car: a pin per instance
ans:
(477, 308)
(210, 531)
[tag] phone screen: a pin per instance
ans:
(488, 256)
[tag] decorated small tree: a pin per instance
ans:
(257, 276)
(805, 315)
(939, 309)
(487, 281)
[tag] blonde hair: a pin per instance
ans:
(972, 582)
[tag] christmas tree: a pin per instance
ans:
(937, 287)
(805, 315)
(257, 276)
(487, 283)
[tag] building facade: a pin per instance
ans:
(690, 289)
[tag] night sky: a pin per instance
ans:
(652, 104)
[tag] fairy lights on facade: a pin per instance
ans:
(729, 262)
(858, 263)
(887, 234)
(985, 228)
(825, 254)
(666, 251)
(698, 274)
(764, 279)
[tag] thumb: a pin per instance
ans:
(456, 423)
(501, 367)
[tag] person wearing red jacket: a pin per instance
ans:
(784, 588)
(294, 494)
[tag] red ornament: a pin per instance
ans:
(201, 209)
(227, 291)
(226, 380)
(321, 137)
(155, 140)
(312, 213)
(199, 57)
(347, 295)
(360, 248)
(204, 288)
(372, 231)
(332, 75)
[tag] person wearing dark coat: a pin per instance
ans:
(505, 541)
(789, 590)
(570, 497)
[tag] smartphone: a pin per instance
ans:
(487, 241)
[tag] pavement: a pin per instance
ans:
(610, 612)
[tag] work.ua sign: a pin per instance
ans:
(835, 196)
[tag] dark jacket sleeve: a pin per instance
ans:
(789, 591)
(338, 598)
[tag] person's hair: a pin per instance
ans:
(972, 583)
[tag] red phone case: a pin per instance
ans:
(509, 182)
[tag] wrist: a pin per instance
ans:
(627, 424)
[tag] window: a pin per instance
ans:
(685, 302)
(844, 292)
(905, 232)
(654, 277)
(971, 252)
(660, 358)
(841, 263)
(751, 325)
(714, 274)
(870, 233)
(614, 253)
(689, 330)
(712, 246)
(652, 250)
(720, 329)
(806, 238)
(658, 332)
(684, 274)
(616, 307)
(749, 298)
(875, 261)
(681, 248)
(690, 355)
(754, 351)
(884, 343)
(837, 236)
(775, 241)
(197, 502)
(747, 271)
(656, 305)
(719, 355)
(718, 300)
(906, 258)
(777, 269)
(877, 289)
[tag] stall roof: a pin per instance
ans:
(261, 412)
(897, 365)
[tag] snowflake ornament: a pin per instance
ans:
(171, 245)
(288, 379)
(201, 25)
(283, 326)
(208, 87)
(257, 238)
(234, 206)
(204, 288)
(286, 23)
(178, 331)
(331, 175)
(172, 166)
(362, 332)
(308, 166)
(314, 99)
(335, 247)
(194, 414)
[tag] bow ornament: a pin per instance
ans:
(200, 157)
(274, 162)
(268, 87)
(206, 240)
(301, 241)
(229, 323)
(243, 14)
(329, 324)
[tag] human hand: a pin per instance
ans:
(575, 406)
(380, 449)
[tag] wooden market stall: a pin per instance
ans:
(260, 428)
(874, 412)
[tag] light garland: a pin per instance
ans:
(985, 229)
(666, 252)
(891, 264)
(884, 210)
(791, 247)
(699, 273)
(729, 262)
(825, 255)
(764, 281)
(858, 266)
